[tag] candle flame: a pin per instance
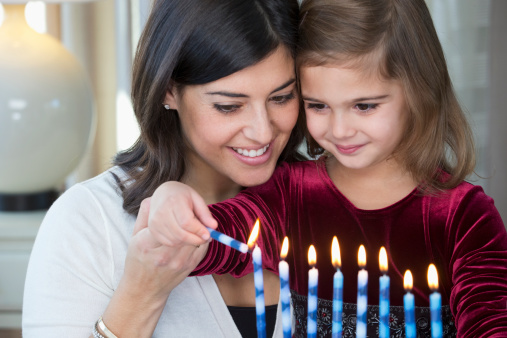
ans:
(254, 234)
(335, 254)
(408, 281)
(382, 258)
(361, 257)
(312, 256)
(432, 277)
(285, 248)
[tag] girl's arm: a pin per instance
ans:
(478, 266)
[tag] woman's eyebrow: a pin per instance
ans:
(230, 94)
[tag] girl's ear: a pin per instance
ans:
(171, 98)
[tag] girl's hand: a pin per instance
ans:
(179, 216)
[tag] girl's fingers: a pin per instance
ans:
(142, 216)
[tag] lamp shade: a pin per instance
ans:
(46, 109)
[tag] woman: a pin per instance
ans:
(214, 92)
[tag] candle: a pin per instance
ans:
(313, 276)
(337, 289)
(283, 269)
(435, 303)
(384, 282)
(224, 239)
(409, 305)
(362, 294)
(260, 307)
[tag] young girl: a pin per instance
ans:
(380, 105)
(214, 92)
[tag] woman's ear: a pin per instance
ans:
(171, 98)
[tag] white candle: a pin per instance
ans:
(384, 282)
(313, 276)
(260, 306)
(362, 294)
(435, 303)
(409, 305)
(283, 270)
(337, 290)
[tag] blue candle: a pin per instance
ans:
(283, 270)
(224, 239)
(409, 305)
(313, 276)
(362, 294)
(258, 281)
(384, 282)
(435, 303)
(337, 290)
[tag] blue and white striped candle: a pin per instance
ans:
(435, 303)
(313, 277)
(409, 305)
(283, 270)
(362, 294)
(337, 290)
(260, 307)
(224, 239)
(384, 282)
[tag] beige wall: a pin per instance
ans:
(498, 44)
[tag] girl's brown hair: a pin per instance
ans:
(397, 39)
(187, 43)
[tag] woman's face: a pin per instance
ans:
(237, 126)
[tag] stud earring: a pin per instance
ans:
(167, 107)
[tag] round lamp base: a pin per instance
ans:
(27, 201)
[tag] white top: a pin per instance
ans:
(77, 262)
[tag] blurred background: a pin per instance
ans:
(102, 36)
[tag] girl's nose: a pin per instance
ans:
(343, 125)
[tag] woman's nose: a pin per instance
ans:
(259, 127)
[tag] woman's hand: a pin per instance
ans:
(152, 271)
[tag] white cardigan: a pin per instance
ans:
(77, 262)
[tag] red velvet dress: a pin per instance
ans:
(461, 232)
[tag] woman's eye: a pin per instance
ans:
(226, 108)
(365, 107)
(316, 106)
(281, 99)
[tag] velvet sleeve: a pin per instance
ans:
(478, 266)
(236, 217)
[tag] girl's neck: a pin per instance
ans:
(371, 188)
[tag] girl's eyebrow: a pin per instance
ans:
(359, 99)
(230, 94)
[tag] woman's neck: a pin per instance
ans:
(372, 188)
(210, 184)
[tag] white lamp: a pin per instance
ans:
(47, 115)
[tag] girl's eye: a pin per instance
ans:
(226, 108)
(281, 99)
(365, 107)
(316, 106)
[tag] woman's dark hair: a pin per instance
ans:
(190, 42)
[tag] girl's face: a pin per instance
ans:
(237, 126)
(357, 118)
